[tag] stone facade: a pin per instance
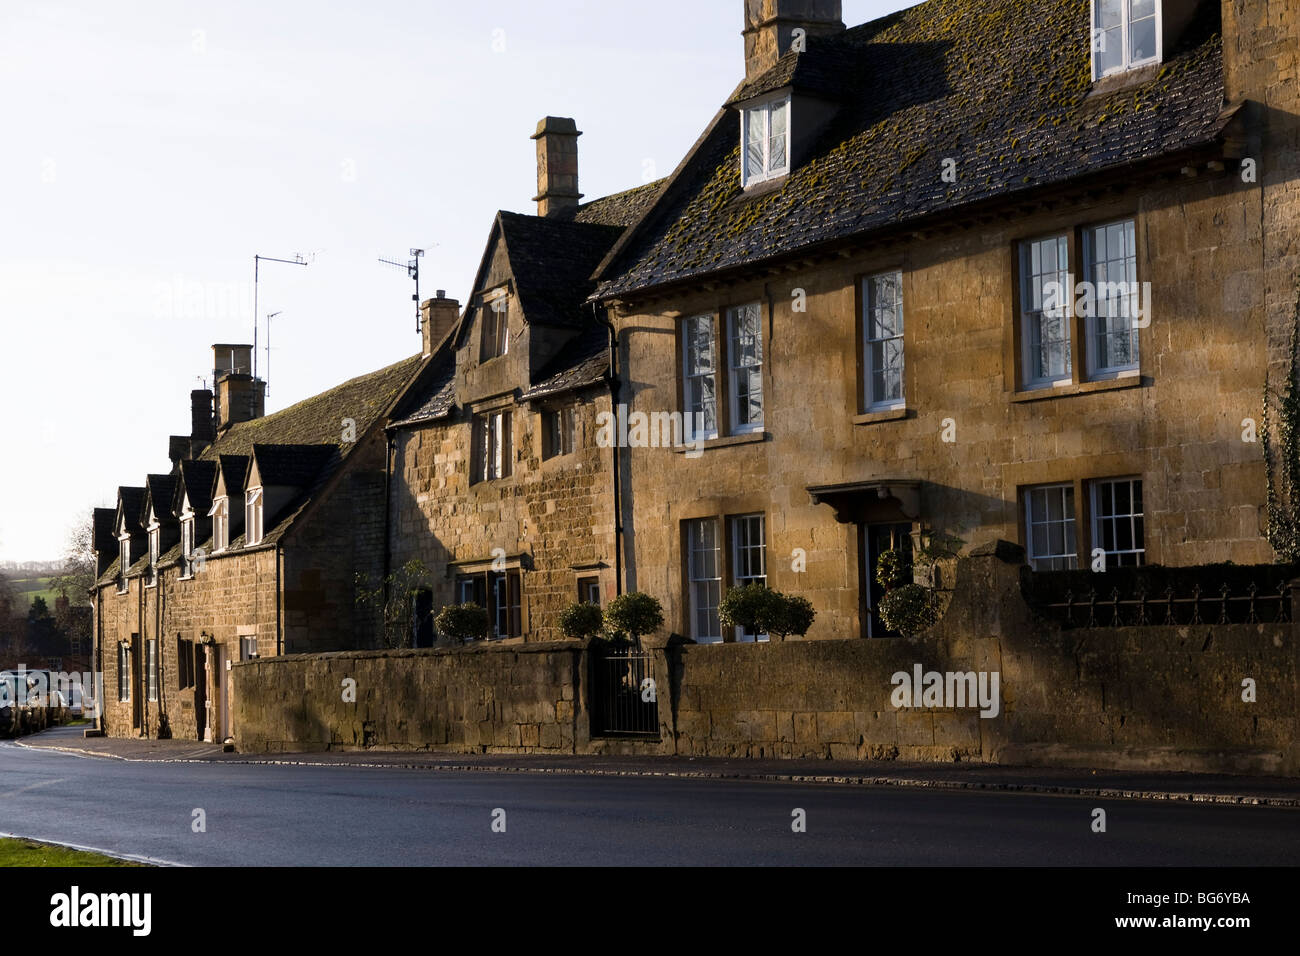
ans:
(1220, 252)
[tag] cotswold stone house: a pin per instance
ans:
(247, 547)
(886, 276)
(499, 486)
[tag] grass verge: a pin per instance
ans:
(22, 852)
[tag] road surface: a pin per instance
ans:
(340, 816)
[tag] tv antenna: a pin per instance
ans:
(297, 260)
(412, 267)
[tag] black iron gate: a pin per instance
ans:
(624, 695)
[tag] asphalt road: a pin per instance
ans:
(341, 816)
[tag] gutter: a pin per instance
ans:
(602, 317)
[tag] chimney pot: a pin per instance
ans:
(439, 315)
(240, 396)
(770, 25)
(557, 165)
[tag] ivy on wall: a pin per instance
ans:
(1282, 459)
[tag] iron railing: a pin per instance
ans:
(1141, 606)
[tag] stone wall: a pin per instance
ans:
(1167, 698)
(523, 698)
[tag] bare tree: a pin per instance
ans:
(77, 577)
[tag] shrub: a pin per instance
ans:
(462, 622)
(907, 609)
(795, 615)
(633, 614)
(750, 607)
(760, 610)
(893, 568)
(581, 621)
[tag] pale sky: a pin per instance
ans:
(151, 149)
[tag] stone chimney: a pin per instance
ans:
(557, 165)
(201, 425)
(240, 396)
(770, 28)
(438, 315)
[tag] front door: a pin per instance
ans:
(223, 677)
(137, 683)
(201, 692)
(873, 541)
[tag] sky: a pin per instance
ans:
(152, 149)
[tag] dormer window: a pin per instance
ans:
(1125, 35)
(253, 516)
(124, 561)
(155, 538)
(220, 515)
(496, 327)
(765, 132)
(187, 543)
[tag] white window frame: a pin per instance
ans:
(155, 546)
(151, 669)
(253, 509)
(1098, 489)
(872, 402)
(747, 371)
(124, 560)
(1097, 371)
(693, 378)
(494, 445)
(248, 647)
(697, 582)
(187, 543)
(1067, 559)
(1127, 62)
(220, 515)
(1031, 318)
(123, 672)
(742, 528)
(764, 108)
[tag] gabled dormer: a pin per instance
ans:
(160, 523)
(279, 475)
(192, 505)
(228, 521)
(130, 533)
(794, 80)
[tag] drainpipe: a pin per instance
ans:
(602, 317)
(279, 602)
(389, 444)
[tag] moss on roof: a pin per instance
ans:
(1003, 89)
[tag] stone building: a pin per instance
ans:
(886, 275)
(499, 486)
(249, 546)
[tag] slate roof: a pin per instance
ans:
(552, 261)
(294, 466)
(619, 209)
(103, 530)
(584, 362)
(319, 420)
(197, 481)
(1003, 88)
(440, 392)
(234, 468)
(130, 501)
(160, 493)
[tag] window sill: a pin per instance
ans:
(1079, 388)
(746, 438)
(1122, 80)
(884, 415)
